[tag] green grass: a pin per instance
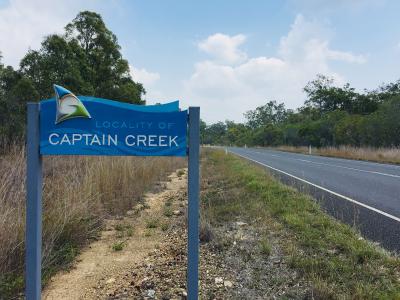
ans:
(123, 229)
(119, 227)
(168, 211)
(118, 246)
(129, 232)
(326, 252)
(9, 284)
(148, 232)
(265, 247)
(164, 226)
(152, 223)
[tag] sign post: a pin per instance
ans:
(70, 125)
(33, 206)
(193, 204)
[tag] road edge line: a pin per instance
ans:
(322, 188)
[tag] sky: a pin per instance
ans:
(228, 56)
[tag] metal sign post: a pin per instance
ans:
(193, 204)
(92, 126)
(33, 206)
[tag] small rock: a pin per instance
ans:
(130, 213)
(177, 212)
(239, 223)
(228, 284)
(111, 280)
(276, 261)
(151, 293)
(218, 280)
(147, 284)
(139, 207)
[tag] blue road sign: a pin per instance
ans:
(73, 125)
(70, 125)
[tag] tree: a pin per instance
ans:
(325, 97)
(203, 128)
(348, 131)
(56, 62)
(15, 91)
(270, 113)
(107, 71)
(86, 60)
(215, 134)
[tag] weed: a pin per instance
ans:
(118, 246)
(119, 227)
(148, 232)
(152, 223)
(265, 247)
(164, 226)
(206, 232)
(129, 232)
(123, 229)
(168, 212)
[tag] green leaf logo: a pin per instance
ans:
(68, 105)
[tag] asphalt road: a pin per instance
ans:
(363, 194)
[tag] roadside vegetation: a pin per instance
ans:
(334, 260)
(381, 155)
(332, 116)
(79, 193)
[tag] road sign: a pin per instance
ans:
(71, 125)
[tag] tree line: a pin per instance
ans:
(85, 59)
(331, 116)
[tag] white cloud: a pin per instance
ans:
(309, 40)
(143, 76)
(149, 81)
(227, 91)
(224, 48)
(24, 24)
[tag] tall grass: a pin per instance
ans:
(383, 155)
(79, 192)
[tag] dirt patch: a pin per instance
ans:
(125, 242)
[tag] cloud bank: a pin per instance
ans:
(230, 82)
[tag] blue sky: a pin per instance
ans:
(228, 56)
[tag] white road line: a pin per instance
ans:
(332, 165)
(324, 189)
(349, 168)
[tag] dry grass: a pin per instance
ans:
(78, 193)
(382, 155)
